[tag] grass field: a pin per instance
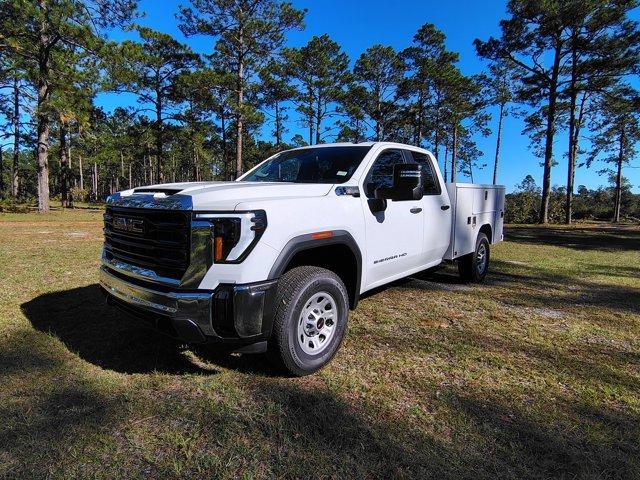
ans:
(534, 374)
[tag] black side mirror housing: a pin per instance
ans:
(407, 183)
(377, 205)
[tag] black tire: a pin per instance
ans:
(295, 288)
(471, 267)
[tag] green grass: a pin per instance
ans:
(535, 374)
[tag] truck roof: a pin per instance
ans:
(359, 144)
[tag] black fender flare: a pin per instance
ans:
(308, 242)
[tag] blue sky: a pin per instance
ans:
(356, 25)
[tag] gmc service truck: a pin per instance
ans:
(273, 261)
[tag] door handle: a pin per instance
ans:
(445, 207)
(415, 210)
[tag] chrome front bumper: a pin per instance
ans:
(241, 314)
(188, 313)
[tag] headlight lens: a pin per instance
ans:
(234, 235)
(226, 234)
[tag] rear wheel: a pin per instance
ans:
(310, 319)
(474, 266)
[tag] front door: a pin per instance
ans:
(436, 208)
(394, 236)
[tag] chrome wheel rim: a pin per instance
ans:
(481, 258)
(317, 323)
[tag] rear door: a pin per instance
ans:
(436, 209)
(393, 237)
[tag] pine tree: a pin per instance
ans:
(431, 68)
(499, 89)
(379, 69)
(150, 70)
(563, 48)
(276, 90)
(354, 103)
(464, 106)
(248, 32)
(534, 38)
(14, 100)
(603, 46)
(34, 30)
(617, 132)
(321, 70)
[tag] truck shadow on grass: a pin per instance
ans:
(108, 338)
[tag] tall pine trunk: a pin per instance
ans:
(16, 138)
(121, 164)
(573, 155)
(64, 166)
(436, 134)
(1, 172)
(240, 106)
(618, 192)
(310, 117)
(549, 135)
(42, 115)
(225, 154)
(81, 172)
(498, 140)
(278, 124)
(95, 182)
(318, 118)
(446, 160)
(159, 138)
(454, 153)
(571, 164)
(43, 153)
(378, 117)
(418, 137)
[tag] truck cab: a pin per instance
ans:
(273, 261)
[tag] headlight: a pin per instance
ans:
(234, 234)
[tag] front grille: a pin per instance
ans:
(157, 240)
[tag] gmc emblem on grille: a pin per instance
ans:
(135, 225)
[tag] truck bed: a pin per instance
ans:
(474, 205)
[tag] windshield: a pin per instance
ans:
(311, 165)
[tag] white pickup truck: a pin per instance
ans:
(273, 261)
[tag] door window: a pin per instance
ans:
(381, 172)
(429, 177)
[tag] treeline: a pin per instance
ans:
(562, 65)
(523, 204)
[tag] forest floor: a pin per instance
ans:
(534, 374)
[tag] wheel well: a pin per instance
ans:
(338, 258)
(486, 229)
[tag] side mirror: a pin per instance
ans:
(407, 183)
(377, 205)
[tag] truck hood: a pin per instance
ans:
(215, 195)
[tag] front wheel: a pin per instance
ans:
(474, 266)
(310, 319)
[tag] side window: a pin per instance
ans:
(381, 172)
(429, 177)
